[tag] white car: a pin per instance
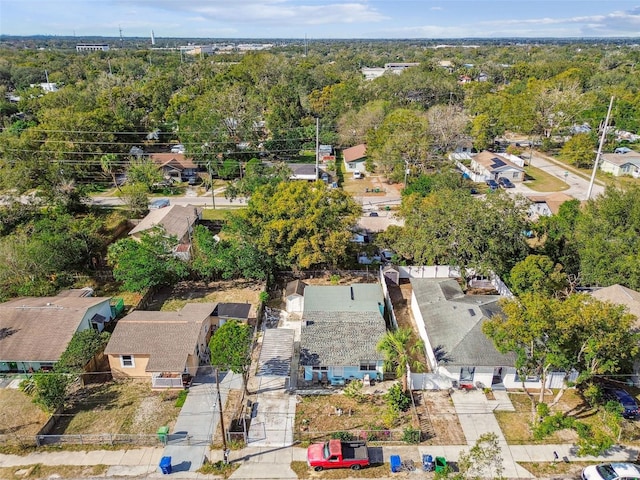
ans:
(357, 175)
(177, 148)
(611, 471)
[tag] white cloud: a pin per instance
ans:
(436, 8)
(269, 12)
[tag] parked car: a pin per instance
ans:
(505, 183)
(337, 454)
(159, 203)
(611, 471)
(386, 254)
(492, 184)
(373, 214)
(177, 148)
(357, 175)
(626, 401)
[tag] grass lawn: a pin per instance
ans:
(316, 415)
(555, 469)
(219, 213)
(541, 181)
(126, 407)
(20, 416)
(379, 471)
(57, 471)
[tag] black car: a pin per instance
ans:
(492, 184)
(626, 401)
(505, 183)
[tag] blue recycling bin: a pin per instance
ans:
(165, 465)
(428, 465)
(395, 462)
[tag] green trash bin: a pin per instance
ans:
(163, 433)
(441, 464)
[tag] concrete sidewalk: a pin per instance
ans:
(274, 462)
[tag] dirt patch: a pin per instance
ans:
(18, 414)
(444, 420)
(128, 407)
(232, 291)
(318, 416)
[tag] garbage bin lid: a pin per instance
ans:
(163, 430)
(165, 461)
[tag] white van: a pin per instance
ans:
(357, 175)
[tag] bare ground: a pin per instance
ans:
(18, 414)
(443, 419)
(232, 291)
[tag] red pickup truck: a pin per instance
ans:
(337, 454)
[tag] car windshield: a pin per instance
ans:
(606, 472)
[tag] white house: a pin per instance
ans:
(493, 166)
(354, 158)
(627, 162)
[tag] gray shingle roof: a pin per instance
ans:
(38, 329)
(340, 338)
(453, 321)
(167, 337)
(176, 220)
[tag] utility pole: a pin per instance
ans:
(595, 164)
(317, 148)
(213, 193)
(224, 436)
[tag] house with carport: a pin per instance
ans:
(493, 166)
(35, 331)
(166, 347)
(341, 327)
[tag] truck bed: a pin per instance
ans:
(354, 451)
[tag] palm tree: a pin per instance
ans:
(400, 348)
(108, 161)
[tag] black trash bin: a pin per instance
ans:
(165, 465)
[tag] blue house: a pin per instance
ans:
(341, 326)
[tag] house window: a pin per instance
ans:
(317, 368)
(466, 374)
(126, 361)
(527, 378)
(367, 366)
(516, 175)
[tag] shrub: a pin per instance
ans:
(593, 394)
(551, 424)
(182, 397)
(344, 436)
(543, 410)
(411, 435)
(335, 279)
(397, 399)
(354, 390)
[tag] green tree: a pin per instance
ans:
(580, 150)
(108, 162)
(608, 244)
(483, 460)
(529, 329)
(230, 348)
(298, 224)
(82, 348)
(136, 197)
(400, 348)
(537, 273)
(143, 172)
(450, 227)
(49, 390)
(483, 132)
(146, 263)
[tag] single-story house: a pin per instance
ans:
(177, 220)
(619, 295)
(341, 327)
(450, 324)
(35, 331)
(175, 166)
(307, 171)
(619, 164)
(294, 296)
(166, 347)
(494, 166)
(354, 158)
(546, 205)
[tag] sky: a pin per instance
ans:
(368, 19)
